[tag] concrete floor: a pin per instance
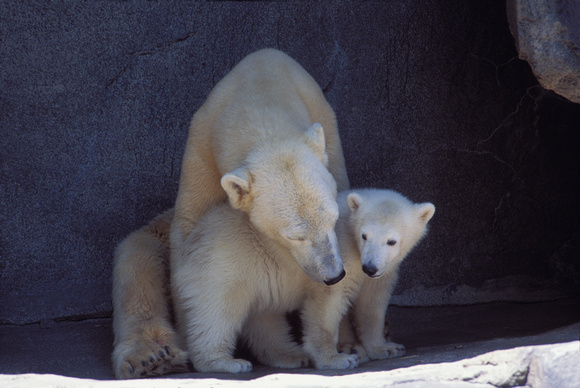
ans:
(432, 335)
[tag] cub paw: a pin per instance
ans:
(340, 361)
(354, 348)
(142, 358)
(388, 350)
(224, 365)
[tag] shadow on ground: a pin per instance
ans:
(432, 335)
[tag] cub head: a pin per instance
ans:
(290, 197)
(386, 226)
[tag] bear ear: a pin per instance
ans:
(353, 200)
(237, 186)
(317, 142)
(425, 211)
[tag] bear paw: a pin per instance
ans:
(148, 358)
(282, 361)
(224, 365)
(289, 357)
(340, 361)
(388, 350)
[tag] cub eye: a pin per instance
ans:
(391, 242)
(364, 236)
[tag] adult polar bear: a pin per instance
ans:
(255, 141)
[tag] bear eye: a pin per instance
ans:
(364, 236)
(391, 242)
(296, 238)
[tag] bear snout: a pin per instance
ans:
(336, 279)
(370, 270)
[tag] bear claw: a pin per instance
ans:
(149, 358)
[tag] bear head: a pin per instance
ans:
(290, 197)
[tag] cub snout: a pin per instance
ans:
(370, 270)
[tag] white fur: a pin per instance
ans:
(383, 228)
(392, 225)
(259, 281)
(229, 275)
(267, 140)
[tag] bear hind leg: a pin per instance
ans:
(145, 341)
(150, 352)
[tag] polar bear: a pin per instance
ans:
(267, 140)
(384, 227)
(376, 230)
(228, 274)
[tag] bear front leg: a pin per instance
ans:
(199, 185)
(211, 325)
(268, 336)
(321, 319)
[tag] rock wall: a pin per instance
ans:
(96, 98)
(547, 35)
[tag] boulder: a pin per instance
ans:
(547, 36)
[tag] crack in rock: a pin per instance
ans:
(163, 46)
(148, 52)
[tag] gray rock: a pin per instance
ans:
(445, 343)
(547, 34)
(555, 366)
(532, 366)
(96, 99)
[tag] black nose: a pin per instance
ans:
(370, 270)
(336, 279)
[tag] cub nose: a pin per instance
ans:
(370, 270)
(336, 279)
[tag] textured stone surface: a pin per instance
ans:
(446, 346)
(555, 366)
(536, 366)
(547, 34)
(96, 98)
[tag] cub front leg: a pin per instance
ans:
(321, 319)
(368, 316)
(347, 341)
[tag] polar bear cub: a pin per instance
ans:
(383, 226)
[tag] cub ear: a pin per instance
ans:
(317, 142)
(237, 186)
(425, 211)
(353, 200)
